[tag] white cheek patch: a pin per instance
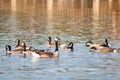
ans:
(56, 39)
(88, 44)
(22, 44)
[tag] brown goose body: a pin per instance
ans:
(20, 45)
(69, 47)
(15, 51)
(104, 50)
(42, 54)
(98, 45)
(47, 54)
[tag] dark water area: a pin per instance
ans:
(32, 21)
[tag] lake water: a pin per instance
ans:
(77, 21)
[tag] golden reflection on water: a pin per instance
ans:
(67, 13)
(66, 7)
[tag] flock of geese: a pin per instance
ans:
(101, 47)
(21, 48)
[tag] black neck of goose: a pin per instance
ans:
(24, 46)
(18, 44)
(49, 40)
(71, 46)
(106, 42)
(56, 45)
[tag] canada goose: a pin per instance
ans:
(50, 44)
(99, 45)
(27, 51)
(104, 50)
(47, 54)
(88, 43)
(69, 47)
(9, 50)
(18, 42)
(20, 45)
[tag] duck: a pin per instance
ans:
(15, 51)
(20, 45)
(69, 47)
(99, 45)
(47, 54)
(104, 50)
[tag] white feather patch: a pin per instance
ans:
(35, 54)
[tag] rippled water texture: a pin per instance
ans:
(32, 21)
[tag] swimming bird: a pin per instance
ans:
(50, 44)
(69, 47)
(29, 51)
(18, 42)
(15, 51)
(99, 45)
(20, 45)
(104, 50)
(47, 54)
(88, 43)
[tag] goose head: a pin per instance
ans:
(8, 48)
(88, 43)
(18, 42)
(70, 45)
